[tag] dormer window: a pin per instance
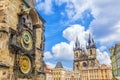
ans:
(26, 21)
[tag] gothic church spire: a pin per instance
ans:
(77, 44)
(91, 43)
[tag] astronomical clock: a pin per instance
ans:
(24, 40)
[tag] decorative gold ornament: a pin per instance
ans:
(25, 64)
(26, 40)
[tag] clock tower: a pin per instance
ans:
(21, 41)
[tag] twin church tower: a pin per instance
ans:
(82, 58)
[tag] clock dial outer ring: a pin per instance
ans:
(26, 33)
(29, 43)
(25, 64)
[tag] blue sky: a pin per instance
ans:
(66, 19)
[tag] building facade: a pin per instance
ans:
(59, 73)
(72, 75)
(48, 73)
(115, 58)
(102, 72)
(21, 41)
(86, 62)
(113, 62)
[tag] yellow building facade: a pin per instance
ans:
(21, 41)
(48, 73)
(59, 73)
(72, 75)
(103, 72)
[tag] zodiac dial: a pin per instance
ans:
(26, 40)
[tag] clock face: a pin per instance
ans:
(25, 64)
(26, 40)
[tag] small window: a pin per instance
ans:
(23, 20)
(90, 52)
(77, 67)
(76, 54)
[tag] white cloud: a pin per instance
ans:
(45, 6)
(74, 8)
(48, 55)
(76, 31)
(63, 51)
(102, 48)
(106, 25)
(50, 65)
(103, 57)
(60, 2)
(112, 37)
(105, 13)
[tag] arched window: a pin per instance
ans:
(76, 54)
(77, 66)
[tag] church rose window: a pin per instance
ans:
(84, 64)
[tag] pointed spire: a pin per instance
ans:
(77, 43)
(91, 41)
(59, 65)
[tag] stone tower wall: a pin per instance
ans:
(9, 19)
